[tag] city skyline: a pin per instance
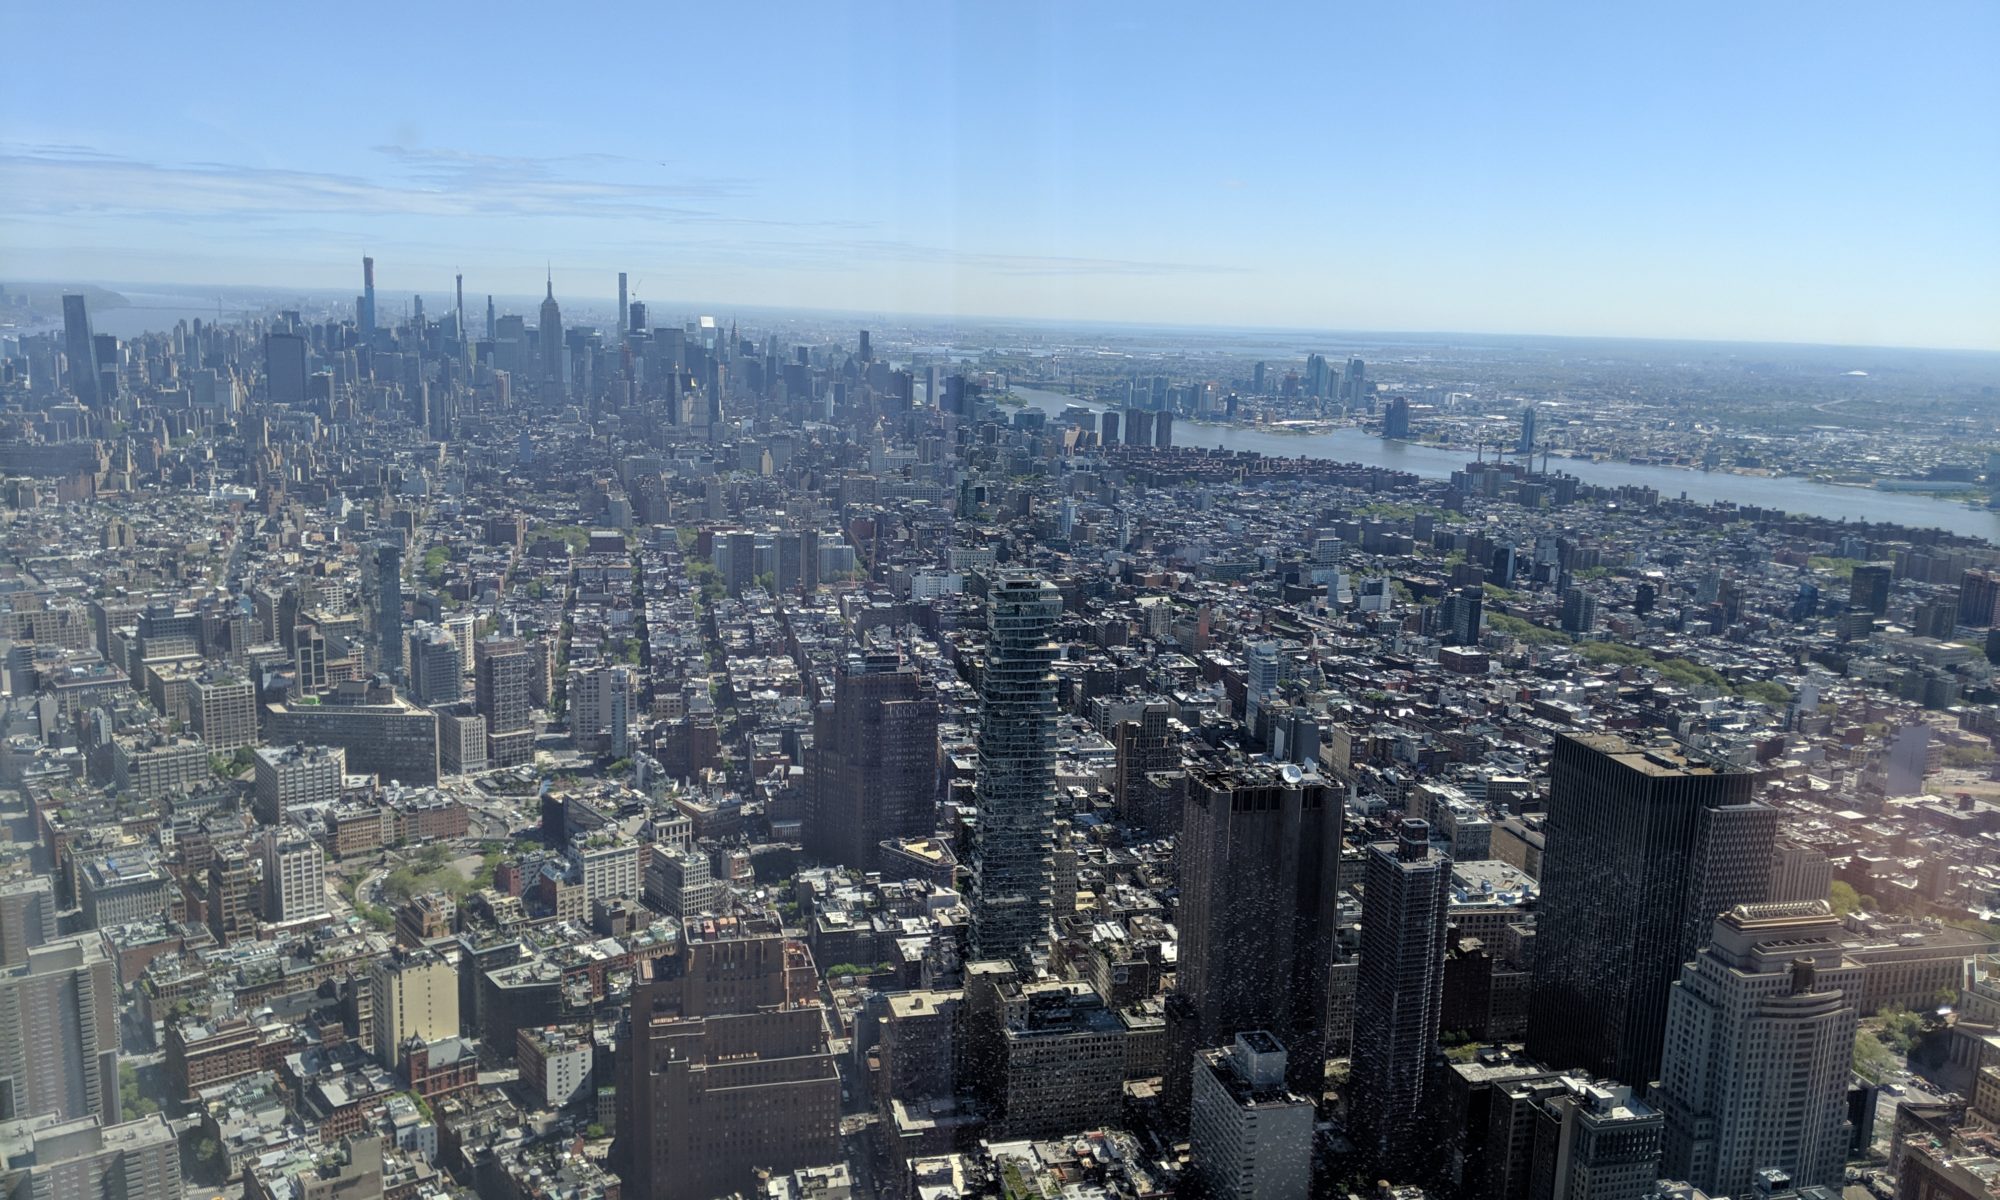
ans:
(975, 676)
(1481, 174)
(899, 761)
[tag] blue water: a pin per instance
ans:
(1430, 462)
(156, 312)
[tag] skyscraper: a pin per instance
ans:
(492, 321)
(415, 995)
(295, 775)
(27, 917)
(231, 902)
(1405, 902)
(1260, 683)
(1138, 427)
(1978, 597)
(1868, 590)
(1760, 1039)
(1354, 382)
(623, 310)
(1462, 613)
(389, 605)
(294, 876)
(1143, 747)
(1258, 915)
(80, 346)
(1579, 611)
(725, 1068)
(437, 673)
(59, 1033)
(1644, 849)
(1396, 420)
(225, 710)
(1526, 445)
(548, 336)
(285, 369)
(621, 712)
(501, 690)
(871, 771)
(1015, 780)
(367, 313)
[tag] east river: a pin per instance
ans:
(1787, 493)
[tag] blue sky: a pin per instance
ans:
(1790, 171)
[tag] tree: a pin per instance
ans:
(202, 1159)
(489, 867)
(1968, 757)
(1898, 1028)
(1767, 692)
(1872, 1060)
(131, 1096)
(1844, 898)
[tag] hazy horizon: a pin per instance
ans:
(439, 301)
(1715, 173)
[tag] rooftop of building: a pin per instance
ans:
(1658, 761)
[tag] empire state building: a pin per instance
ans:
(550, 337)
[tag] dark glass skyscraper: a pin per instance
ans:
(285, 369)
(871, 774)
(1258, 851)
(1396, 419)
(389, 605)
(1868, 588)
(1012, 859)
(1645, 848)
(81, 349)
(1399, 994)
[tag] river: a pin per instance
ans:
(158, 312)
(151, 312)
(1787, 493)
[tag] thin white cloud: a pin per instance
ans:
(57, 181)
(603, 199)
(449, 169)
(830, 254)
